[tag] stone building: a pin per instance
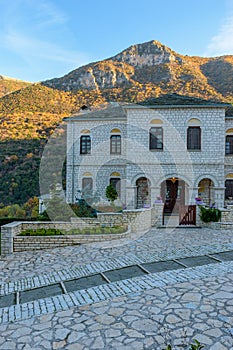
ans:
(170, 149)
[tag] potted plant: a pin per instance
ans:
(159, 199)
(199, 201)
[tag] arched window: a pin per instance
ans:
(85, 144)
(156, 121)
(156, 138)
(87, 185)
(194, 122)
(194, 138)
(115, 181)
(229, 141)
(115, 141)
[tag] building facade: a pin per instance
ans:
(166, 151)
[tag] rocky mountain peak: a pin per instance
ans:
(147, 54)
(155, 67)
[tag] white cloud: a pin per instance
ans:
(48, 14)
(32, 37)
(30, 48)
(222, 43)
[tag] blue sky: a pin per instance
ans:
(43, 39)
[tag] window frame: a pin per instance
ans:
(228, 191)
(116, 183)
(154, 142)
(116, 144)
(85, 144)
(230, 153)
(190, 142)
(88, 179)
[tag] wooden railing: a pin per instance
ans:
(187, 215)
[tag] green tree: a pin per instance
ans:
(111, 193)
(31, 207)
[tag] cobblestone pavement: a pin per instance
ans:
(157, 242)
(170, 311)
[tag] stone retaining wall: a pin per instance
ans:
(24, 243)
(227, 214)
(138, 221)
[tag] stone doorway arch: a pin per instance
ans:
(206, 191)
(143, 193)
(173, 192)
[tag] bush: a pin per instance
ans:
(41, 232)
(82, 209)
(209, 214)
(111, 193)
(78, 231)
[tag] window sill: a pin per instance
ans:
(156, 150)
(194, 150)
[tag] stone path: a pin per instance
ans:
(175, 311)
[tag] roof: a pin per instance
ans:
(117, 110)
(181, 101)
(110, 110)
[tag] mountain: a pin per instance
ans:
(8, 85)
(154, 65)
(29, 113)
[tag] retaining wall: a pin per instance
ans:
(138, 221)
(24, 243)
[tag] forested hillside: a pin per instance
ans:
(30, 112)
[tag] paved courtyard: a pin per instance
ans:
(145, 312)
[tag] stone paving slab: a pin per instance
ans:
(148, 315)
(101, 266)
(109, 291)
(156, 244)
(174, 313)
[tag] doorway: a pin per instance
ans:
(173, 194)
(143, 192)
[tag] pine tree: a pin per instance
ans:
(111, 193)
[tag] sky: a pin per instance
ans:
(44, 39)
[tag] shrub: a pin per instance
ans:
(41, 232)
(98, 231)
(111, 193)
(83, 209)
(209, 214)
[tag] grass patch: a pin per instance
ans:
(42, 232)
(78, 231)
(97, 230)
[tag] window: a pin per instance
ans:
(87, 186)
(116, 183)
(229, 189)
(85, 144)
(156, 138)
(229, 144)
(115, 144)
(194, 138)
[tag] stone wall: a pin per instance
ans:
(227, 214)
(157, 214)
(100, 163)
(24, 243)
(226, 222)
(137, 160)
(137, 221)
